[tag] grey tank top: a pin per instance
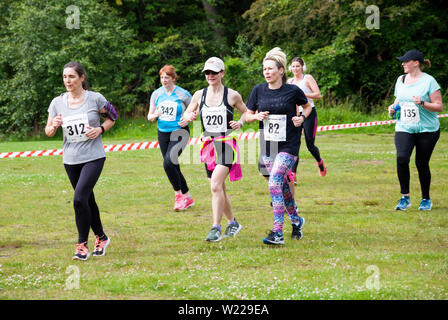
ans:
(76, 147)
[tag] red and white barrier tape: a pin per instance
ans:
(193, 141)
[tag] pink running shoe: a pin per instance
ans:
(292, 176)
(179, 202)
(100, 247)
(82, 252)
(189, 202)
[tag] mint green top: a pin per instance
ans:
(422, 88)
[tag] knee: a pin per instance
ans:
(421, 164)
(168, 162)
(79, 202)
(402, 160)
(275, 184)
(216, 187)
(309, 143)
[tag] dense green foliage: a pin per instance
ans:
(123, 44)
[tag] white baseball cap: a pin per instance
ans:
(214, 64)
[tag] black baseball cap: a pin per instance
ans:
(413, 54)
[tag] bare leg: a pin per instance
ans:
(220, 200)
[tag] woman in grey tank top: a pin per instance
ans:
(78, 112)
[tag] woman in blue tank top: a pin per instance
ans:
(167, 105)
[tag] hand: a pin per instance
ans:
(186, 118)
(391, 109)
(298, 120)
(417, 100)
(57, 121)
(260, 116)
(235, 125)
(93, 133)
(153, 116)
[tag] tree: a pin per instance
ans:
(343, 52)
(38, 39)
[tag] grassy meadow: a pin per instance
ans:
(355, 245)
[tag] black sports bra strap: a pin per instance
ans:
(224, 97)
(204, 95)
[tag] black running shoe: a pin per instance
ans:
(274, 238)
(297, 229)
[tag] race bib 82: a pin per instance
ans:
(275, 127)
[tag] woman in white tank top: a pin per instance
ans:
(309, 86)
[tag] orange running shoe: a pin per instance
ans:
(179, 202)
(82, 252)
(322, 168)
(189, 202)
(100, 247)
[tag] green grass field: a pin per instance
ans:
(355, 245)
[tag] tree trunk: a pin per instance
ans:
(211, 14)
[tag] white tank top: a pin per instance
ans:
(302, 85)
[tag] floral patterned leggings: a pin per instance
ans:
(281, 195)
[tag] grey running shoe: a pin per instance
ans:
(214, 235)
(232, 229)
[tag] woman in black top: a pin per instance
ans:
(274, 104)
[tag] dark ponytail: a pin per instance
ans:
(80, 71)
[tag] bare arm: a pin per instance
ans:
(152, 114)
(237, 102)
(94, 133)
(52, 125)
(298, 120)
(191, 112)
(435, 105)
(312, 84)
(252, 116)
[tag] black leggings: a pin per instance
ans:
(171, 145)
(424, 144)
(83, 178)
(309, 129)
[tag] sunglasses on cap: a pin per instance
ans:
(207, 72)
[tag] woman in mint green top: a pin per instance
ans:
(419, 99)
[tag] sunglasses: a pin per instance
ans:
(207, 72)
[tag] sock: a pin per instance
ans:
(217, 227)
(232, 222)
(103, 237)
